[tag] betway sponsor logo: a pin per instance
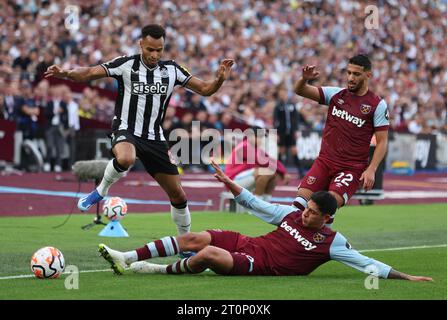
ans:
(348, 117)
(299, 238)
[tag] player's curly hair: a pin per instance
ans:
(325, 201)
(154, 30)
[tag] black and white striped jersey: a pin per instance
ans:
(143, 93)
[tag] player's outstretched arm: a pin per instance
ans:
(269, 212)
(234, 188)
(394, 274)
(207, 88)
(302, 88)
(78, 75)
(342, 251)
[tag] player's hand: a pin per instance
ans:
(368, 177)
(219, 175)
(55, 71)
(419, 278)
(309, 73)
(224, 69)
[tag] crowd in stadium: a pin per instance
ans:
(269, 40)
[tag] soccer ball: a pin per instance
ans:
(47, 263)
(114, 208)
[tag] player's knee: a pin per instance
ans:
(125, 161)
(193, 241)
(340, 201)
(177, 196)
(210, 255)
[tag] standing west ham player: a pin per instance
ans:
(355, 114)
(299, 244)
(145, 84)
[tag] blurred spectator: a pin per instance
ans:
(269, 40)
(46, 61)
(23, 60)
(73, 122)
(9, 101)
(27, 111)
(3, 114)
(286, 120)
(195, 104)
(56, 114)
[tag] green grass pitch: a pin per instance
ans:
(366, 227)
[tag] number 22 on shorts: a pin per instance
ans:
(344, 178)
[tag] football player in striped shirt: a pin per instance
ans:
(145, 86)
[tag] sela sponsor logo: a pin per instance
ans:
(348, 117)
(148, 88)
(299, 238)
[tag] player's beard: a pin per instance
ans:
(356, 88)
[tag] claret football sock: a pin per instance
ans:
(164, 247)
(181, 266)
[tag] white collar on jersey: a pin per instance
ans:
(142, 61)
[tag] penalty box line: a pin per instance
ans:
(22, 276)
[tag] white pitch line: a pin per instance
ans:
(367, 250)
(405, 248)
(32, 276)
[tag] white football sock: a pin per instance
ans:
(111, 175)
(130, 256)
(182, 218)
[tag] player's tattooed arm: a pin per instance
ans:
(78, 75)
(394, 274)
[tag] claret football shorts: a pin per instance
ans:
(246, 261)
(326, 175)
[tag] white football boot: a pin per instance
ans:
(114, 257)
